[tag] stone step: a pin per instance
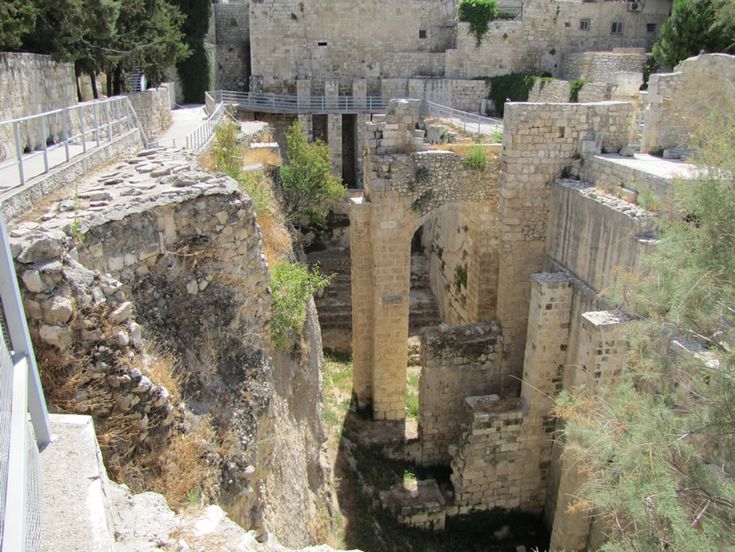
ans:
(76, 507)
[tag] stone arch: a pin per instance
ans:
(404, 186)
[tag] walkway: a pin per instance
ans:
(186, 119)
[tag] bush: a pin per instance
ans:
(575, 88)
(309, 186)
(476, 159)
(478, 13)
(514, 87)
(226, 152)
(292, 285)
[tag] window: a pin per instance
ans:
(422, 33)
(650, 27)
(322, 43)
(617, 27)
(584, 24)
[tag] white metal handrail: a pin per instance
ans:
(470, 122)
(22, 395)
(280, 103)
(75, 129)
(200, 137)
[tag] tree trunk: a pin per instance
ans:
(117, 86)
(109, 83)
(93, 80)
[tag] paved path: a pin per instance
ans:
(187, 119)
(33, 164)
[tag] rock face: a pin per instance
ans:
(156, 255)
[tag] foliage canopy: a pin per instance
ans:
(309, 186)
(478, 13)
(657, 448)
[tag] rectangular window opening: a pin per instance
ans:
(584, 24)
(650, 27)
(422, 33)
(617, 27)
(322, 43)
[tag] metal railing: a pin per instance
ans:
(468, 122)
(37, 143)
(200, 137)
(20, 395)
(279, 103)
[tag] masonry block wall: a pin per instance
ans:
(678, 101)
(456, 363)
(596, 235)
(539, 141)
(30, 84)
(602, 66)
(403, 187)
(232, 46)
(153, 108)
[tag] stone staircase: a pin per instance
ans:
(334, 305)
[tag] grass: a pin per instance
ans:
(476, 159)
(412, 392)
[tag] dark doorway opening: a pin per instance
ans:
(349, 150)
(320, 128)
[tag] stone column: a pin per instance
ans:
(303, 94)
(363, 285)
(482, 265)
(601, 359)
(359, 91)
(392, 286)
(546, 346)
(334, 125)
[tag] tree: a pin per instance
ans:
(478, 13)
(695, 26)
(149, 39)
(309, 186)
(16, 20)
(195, 70)
(658, 447)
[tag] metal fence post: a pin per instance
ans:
(109, 121)
(43, 143)
(95, 112)
(18, 152)
(20, 338)
(81, 129)
(65, 125)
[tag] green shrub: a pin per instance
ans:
(309, 186)
(226, 153)
(292, 284)
(478, 13)
(514, 87)
(476, 159)
(575, 87)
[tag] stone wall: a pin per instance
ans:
(232, 46)
(403, 189)
(153, 107)
(539, 141)
(678, 102)
(461, 94)
(156, 255)
(31, 84)
(547, 32)
(456, 363)
(346, 40)
(602, 66)
(595, 235)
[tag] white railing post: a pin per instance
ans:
(44, 145)
(81, 129)
(66, 125)
(95, 113)
(109, 121)
(20, 338)
(18, 152)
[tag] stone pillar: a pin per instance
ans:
(546, 346)
(482, 265)
(363, 285)
(334, 125)
(600, 358)
(359, 90)
(392, 286)
(303, 94)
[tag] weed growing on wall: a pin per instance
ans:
(292, 284)
(476, 159)
(575, 87)
(478, 13)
